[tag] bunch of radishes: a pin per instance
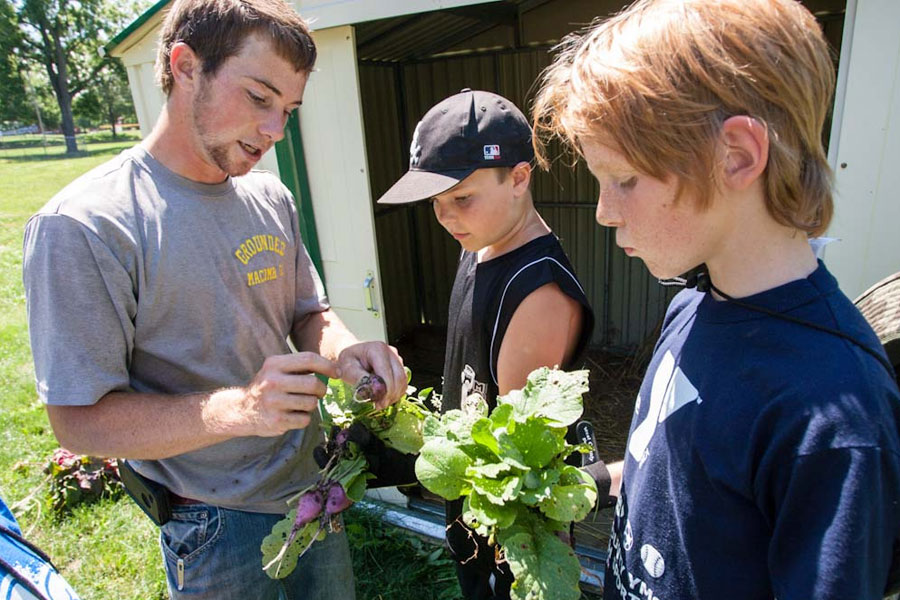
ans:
(323, 502)
(343, 478)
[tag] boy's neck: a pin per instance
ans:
(760, 254)
(530, 227)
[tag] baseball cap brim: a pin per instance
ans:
(421, 185)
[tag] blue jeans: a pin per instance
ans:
(220, 559)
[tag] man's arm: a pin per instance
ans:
(325, 333)
(152, 426)
(281, 397)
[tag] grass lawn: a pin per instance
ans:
(108, 550)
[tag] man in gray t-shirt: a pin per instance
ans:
(162, 288)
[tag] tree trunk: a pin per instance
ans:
(68, 122)
(112, 120)
(60, 83)
(65, 101)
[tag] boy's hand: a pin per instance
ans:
(364, 358)
(593, 466)
(389, 466)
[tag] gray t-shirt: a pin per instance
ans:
(138, 279)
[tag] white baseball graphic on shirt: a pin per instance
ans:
(628, 542)
(653, 561)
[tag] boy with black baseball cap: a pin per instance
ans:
(516, 303)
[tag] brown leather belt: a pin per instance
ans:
(181, 500)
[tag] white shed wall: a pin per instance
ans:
(865, 148)
(148, 97)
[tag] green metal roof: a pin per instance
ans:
(143, 18)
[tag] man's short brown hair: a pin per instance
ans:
(657, 81)
(216, 29)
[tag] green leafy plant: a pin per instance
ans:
(509, 466)
(343, 479)
(76, 479)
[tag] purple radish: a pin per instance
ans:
(308, 509)
(370, 387)
(336, 500)
(342, 437)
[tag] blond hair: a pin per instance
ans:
(216, 29)
(658, 80)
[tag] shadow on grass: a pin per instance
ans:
(390, 563)
(9, 155)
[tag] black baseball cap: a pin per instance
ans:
(468, 131)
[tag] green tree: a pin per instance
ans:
(108, 98)
(14, 103)
(41, 100)
(64, 38)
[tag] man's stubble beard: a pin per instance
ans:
(217, 153)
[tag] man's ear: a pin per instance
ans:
(521, 178)
(745, 146)
(185, 66)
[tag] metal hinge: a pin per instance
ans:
(369, 290)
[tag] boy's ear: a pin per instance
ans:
(521, 178)
(745, 142)
(185, 65)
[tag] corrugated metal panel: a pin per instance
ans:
(627, 301)
(398, 274)
(417, 37)
(386, 159)
(424, 85)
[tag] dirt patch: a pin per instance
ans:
(614, 383)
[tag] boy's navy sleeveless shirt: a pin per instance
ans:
(763, 459)
(485, 297)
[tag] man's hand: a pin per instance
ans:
(364, 358)
(282, 396)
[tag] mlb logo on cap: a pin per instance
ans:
(468, 131)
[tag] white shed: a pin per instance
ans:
(865, 147)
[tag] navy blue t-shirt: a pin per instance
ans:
(763, 459)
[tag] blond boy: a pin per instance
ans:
(763, 459)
